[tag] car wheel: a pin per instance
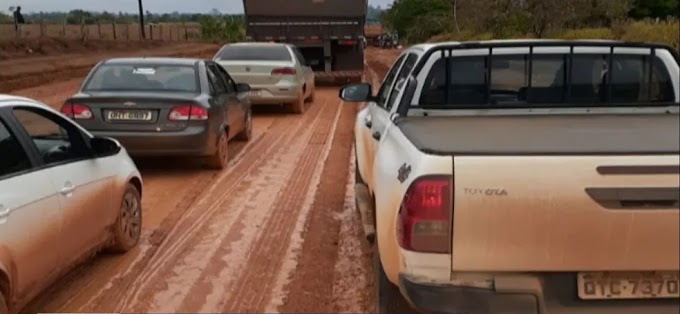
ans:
(388, 299)
(247, 132)
(219, 159)
(128, 227)
(299, 105)
(312, 95)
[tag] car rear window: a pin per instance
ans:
(510, 76)
(254, 53)
(138, 77)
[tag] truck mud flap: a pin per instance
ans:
(338, 77)
(364, 204)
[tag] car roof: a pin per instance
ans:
(6, 100)
(154, 60)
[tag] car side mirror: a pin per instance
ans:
(105, 146)
(356, 92)
(242, 87)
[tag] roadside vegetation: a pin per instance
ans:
(443, 20)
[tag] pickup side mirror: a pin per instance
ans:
(105, 146)
(356, 92)
(242, 87)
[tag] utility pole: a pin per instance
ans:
(141, 20)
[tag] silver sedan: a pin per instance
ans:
(277, 73)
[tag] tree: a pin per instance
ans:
(655, 8)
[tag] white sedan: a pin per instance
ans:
(64, 194)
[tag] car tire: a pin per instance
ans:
(247, 132)
(220, 158)
(312, 95)
(298, 106)
(128, 228)
(388, 299)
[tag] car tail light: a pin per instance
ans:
(284, 71)
(188, 112)
(424, 222)
(77, 111)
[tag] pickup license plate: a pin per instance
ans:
(627, 285)
(130, 115)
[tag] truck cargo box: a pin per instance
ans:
(305, 7)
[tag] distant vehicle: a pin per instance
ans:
(276, 73)
(164, 107)
(64, 194)
(523, 176)
(329, 33)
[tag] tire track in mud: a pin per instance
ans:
(126, 295)
(80, 282)
(187, 285)
(123, 279)
(266, 257)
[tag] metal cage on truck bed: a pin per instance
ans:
(567, 53)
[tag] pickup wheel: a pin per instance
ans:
(357, 174)
(388, 299)
(3, 305)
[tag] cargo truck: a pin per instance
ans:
(329, 33)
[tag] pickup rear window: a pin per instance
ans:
(550, 80)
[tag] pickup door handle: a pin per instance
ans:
(68, 188)
(376, 135)
(4, 211)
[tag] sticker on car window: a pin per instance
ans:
(144, 71)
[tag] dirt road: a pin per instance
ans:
(275, 232)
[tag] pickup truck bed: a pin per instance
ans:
(544, 135)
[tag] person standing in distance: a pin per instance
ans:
(18, 21)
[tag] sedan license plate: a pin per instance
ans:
(627, 285)
(132, 115)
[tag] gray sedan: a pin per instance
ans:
(164, 107)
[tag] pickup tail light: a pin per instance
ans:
(77, 111)
(284, 71)
(188, 113)
(424, 221)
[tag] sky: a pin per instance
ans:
(156, 6)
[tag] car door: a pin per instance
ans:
(236, 106)
(375, 119)
(219, 99)
(30, 215)
(84, 183)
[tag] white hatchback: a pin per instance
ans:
(64, 194)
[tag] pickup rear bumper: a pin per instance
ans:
(543, 294)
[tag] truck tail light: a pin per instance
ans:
(188, 112)
(284, 71)
(76, 111)
(424, 221)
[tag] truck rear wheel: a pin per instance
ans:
(388, 299)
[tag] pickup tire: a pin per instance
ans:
(388, 299)
(3, 305)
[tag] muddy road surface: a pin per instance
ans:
(275, 232)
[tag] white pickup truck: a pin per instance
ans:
(532, 176)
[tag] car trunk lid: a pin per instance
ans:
(255, 73)
(566, 213)
(138, 111)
